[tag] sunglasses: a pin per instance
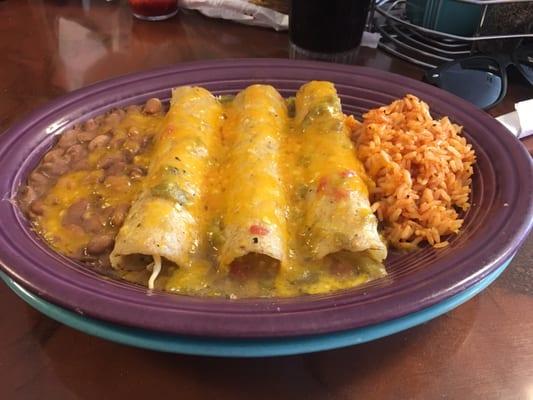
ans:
(482, 79)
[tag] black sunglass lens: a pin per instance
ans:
(478, 80)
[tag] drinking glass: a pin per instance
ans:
(329, 30)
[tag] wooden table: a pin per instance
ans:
(481, 350)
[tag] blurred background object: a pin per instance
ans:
(449, 16)
(511, 18)
(431, 32)
(153, 10)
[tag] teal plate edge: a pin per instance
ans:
(245, 347)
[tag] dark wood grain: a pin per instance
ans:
(481, 350)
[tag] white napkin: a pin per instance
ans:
(240, 11)
(519, 122)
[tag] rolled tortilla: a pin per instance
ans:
(337, 220)
(254, 204)
(165, 221)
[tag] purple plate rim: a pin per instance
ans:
(28, 261)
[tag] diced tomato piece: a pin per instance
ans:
(340, 193)
(169, 131)
(258, 230)
(322, 184)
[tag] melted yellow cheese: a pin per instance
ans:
(312, 153)
(166, 220)
(253, 212)
(87, 183)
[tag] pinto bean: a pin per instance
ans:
(74, 214)
(56, 168)
(119, 215)
(26, 196)
(105, 162)
(38, 179)
(80, 165)
(68, 138)
(39, 182)
(113, 118)
(90, 125)
(98, 142)
(153, 106)
(108, 161)
(75, 229)
(76, 152)
(133, 108)
(86, 136)
(37, 207)
(117, 142)
(118, 168)
(92, 222)
(106, 129)
(100, 243)
(54, 154)
(121, 112)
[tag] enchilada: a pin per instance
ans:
(165, 221)
(335, 218)
(253, 210)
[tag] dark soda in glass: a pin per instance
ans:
(327, 26)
